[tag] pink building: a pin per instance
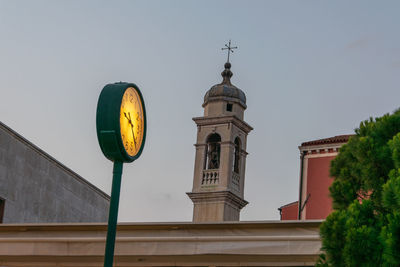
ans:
(314, 200)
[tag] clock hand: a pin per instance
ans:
(130, 121)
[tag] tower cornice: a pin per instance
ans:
(204, 121)
(223, 196)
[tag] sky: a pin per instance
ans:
(310, 70)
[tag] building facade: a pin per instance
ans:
(34, 187)
(315, 160)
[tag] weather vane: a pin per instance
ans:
(229, 48)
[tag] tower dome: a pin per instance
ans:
(225, 90)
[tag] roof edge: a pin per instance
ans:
(330, 140)
(128, 226)
(289, 204)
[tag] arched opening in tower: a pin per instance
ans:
(236, 163)
(213, 151)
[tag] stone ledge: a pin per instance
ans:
(219, 196)
(261, 243)
(203, 121)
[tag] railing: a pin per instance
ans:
(236, 181)
(210, 177)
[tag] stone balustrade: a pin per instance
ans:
(236, 181)
(210, 177)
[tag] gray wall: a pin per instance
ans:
(38, 188)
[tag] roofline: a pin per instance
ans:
(338, 139)
(159, 225)
(289, 204)
(53, 160)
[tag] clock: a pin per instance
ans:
(121, 122)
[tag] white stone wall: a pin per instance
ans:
(37, 188)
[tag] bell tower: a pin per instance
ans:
(220, 161)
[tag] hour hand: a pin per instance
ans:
(127, 118)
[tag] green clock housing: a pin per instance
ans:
(121, 122)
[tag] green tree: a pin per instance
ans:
(364, 228)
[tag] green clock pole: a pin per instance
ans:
(113, 214)
(111, 109)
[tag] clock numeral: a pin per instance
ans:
(131, 98)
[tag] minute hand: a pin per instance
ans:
(133, 134)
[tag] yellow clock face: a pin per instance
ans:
(131, 121)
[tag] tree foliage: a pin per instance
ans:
(364, 228)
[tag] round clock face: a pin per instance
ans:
(131, 121)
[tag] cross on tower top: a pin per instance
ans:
(229, 48)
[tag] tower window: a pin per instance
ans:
(236, 163)
(2, 202)
(229, 107)
(213, 151)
